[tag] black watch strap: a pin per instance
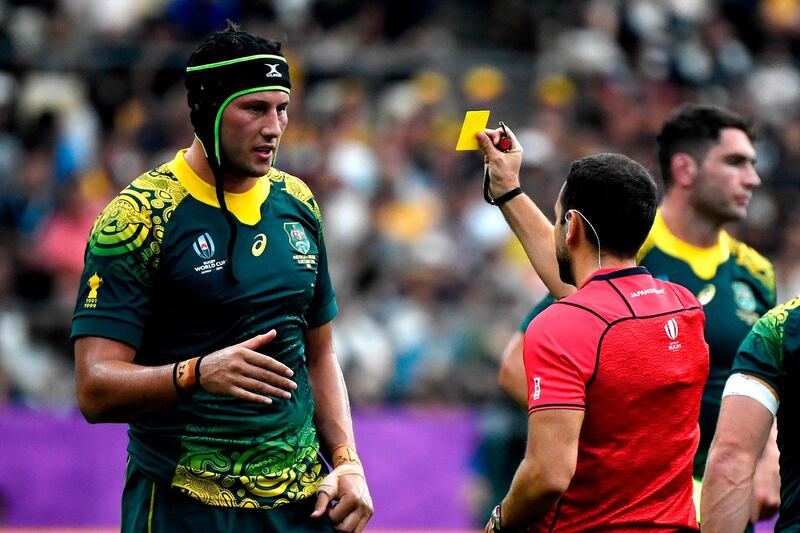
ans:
(513, 193)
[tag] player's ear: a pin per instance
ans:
(684, 169)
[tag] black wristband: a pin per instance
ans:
(197, 371)
(503, 198)
(513, 193)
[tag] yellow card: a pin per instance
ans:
(474, 122)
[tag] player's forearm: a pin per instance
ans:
(535, 233)
(118, 391)
(534, 492)
(332, 409)
(771, 454)
(727, 489)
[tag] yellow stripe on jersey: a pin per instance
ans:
(246, 206)
(703, 261)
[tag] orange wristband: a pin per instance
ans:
(186, 376)
(344, 454)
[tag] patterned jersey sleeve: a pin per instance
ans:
(762, 352)
(560, 360)
(323, 306)
(121, 258)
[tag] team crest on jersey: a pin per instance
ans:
(746, 304)
(204, 246)
(744, 297)
(297, 237)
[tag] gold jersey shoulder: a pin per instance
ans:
(138, 214)
(755, 263)
(296, 188)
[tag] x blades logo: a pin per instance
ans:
(273, 71)
(204, 246)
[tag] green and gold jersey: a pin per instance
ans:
(771, 352)
(736, 286)
(156, 278)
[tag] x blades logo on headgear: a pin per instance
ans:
(204, 246)
(273, 71)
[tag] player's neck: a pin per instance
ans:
(196, 159)
(689, 224)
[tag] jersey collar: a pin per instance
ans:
(246, 206)
(611, 273)
(703, 261)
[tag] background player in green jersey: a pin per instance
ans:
(761, 387)
(204, 320)
(706, 157)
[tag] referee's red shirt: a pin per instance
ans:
(629, 350)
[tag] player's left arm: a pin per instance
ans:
(766, 500)
(547, 469)
(744, 425)
(346, 483)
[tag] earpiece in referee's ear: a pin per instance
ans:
(568, 218)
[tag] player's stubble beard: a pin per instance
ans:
(564, 263)
(236, 170)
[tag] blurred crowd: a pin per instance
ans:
(429, 280)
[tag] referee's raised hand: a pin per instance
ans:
(503, 166)
(242, 372)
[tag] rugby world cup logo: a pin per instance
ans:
(671, 328)
(204, 246)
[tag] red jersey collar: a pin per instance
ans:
(611, 273)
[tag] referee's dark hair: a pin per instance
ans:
(618, 197)
(692, 129)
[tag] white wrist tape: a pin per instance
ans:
(742, 385)
(330, 483)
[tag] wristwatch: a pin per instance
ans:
(495, 519)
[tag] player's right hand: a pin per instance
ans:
(242, 372)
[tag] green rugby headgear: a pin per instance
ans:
(227, 65)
